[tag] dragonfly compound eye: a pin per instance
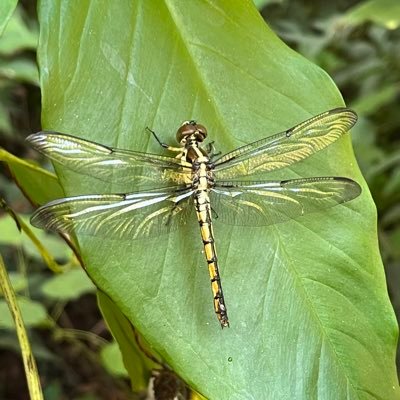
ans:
(201, 132)
(189, 128)
(186, 129)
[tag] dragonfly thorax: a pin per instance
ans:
(191, 129)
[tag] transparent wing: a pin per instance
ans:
(286, 148)
(117, 216)
(109, 164)
(267, 203)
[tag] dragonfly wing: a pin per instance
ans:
(118, 216)
(110, 164)
(267, 203)
(286, 148)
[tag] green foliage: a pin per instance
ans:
(17, 35)
(384, 12)
(33, 313)
(16, 65)
(39, 185)
(361, 57)
(132, 358)
(18, 76)
(20, 319)
(10, 236)
(364, 59)
(312, 288)
(6, 9)
(112, 359)
(262, 3)
(19, 70)
(18, 281)
(68, 286)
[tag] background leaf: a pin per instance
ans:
(20, 69)
(384, 12)
(33, 313)
(112, 359)
(68, 286)
(18, 36)
(17, 66)
(10, 235)
(309, 311)
(6, 9)
(39, 185)
(133, 359)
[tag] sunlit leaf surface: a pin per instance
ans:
(308, 306)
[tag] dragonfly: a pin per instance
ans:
(168, 189)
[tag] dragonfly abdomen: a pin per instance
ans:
(203, 211)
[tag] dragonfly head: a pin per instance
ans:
(191, 128)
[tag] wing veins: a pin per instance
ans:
(261, 203)
(287, 147)
(109, 164)
(128, 216)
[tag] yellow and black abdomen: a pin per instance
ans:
(203, 212)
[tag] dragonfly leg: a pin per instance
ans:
(175, 209)
(170, 215)
(214, 213)
(162, 144)
(165, 145)
(211, 150)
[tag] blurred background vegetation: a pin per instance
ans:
(356, 42)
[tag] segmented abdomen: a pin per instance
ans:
(203, 211)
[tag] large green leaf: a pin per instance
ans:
(307, 300)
